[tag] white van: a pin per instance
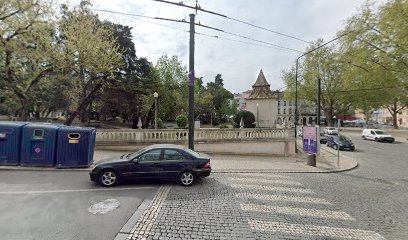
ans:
(377, 135)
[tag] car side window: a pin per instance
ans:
(173, 155)
(154, 155)
(372, 132)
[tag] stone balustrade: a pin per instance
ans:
(200, 135)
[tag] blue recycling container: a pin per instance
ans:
(38, 144)
(10, 138)
(75, 147)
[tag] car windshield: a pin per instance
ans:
(135, 154)
(343, 139)
(380, 132)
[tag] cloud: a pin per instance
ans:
(238, 63)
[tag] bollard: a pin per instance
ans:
(311, 160)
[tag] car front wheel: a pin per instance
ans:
(108, 178)
(335, 147)
(187, 178)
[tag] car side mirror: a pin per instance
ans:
(135, 160)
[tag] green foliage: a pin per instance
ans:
(160, 124)
(182, 121)
(172, 89)
(224, 125)
(216, 120)
(247, 116)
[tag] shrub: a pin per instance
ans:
(216, 120)
(224, 125)
(181, 121)
(160, 124)
(248, 117)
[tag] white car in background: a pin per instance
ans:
(377, 135)
(331, 131)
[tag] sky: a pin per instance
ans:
(238, 63)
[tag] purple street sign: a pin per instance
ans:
(310, 140)
(191, 78)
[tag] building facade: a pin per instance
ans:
(262, 103)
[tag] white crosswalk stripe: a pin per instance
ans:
(263, 175)
(271, 197)
(313, 230)
(266, 181)
(272, 188)
(297, 211)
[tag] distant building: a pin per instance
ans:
(262, 103)
(286, 111)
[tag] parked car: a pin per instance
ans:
(160, 161)
(377, 135)
(340, 142)
(331, 131)
(323, 137)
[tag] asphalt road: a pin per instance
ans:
(375, 193)
(367, 203)
(65, 205)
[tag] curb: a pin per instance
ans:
(129, 225)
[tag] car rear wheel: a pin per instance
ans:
(108, 178)
(187, 178)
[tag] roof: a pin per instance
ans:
(165, 146)
(261, 88)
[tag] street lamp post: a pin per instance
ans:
(156, 95)
(257, 115)
(296, 81)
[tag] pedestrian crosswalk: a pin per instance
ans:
(281, 206)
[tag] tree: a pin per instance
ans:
(221, 96)
(173, 88)
(330, 71)
(376, 51)
(28, 52)
(92, 55)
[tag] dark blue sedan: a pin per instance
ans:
(340, 142)
(160, 161)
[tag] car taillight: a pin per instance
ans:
(207, 165)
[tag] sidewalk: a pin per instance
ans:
(325, 163)
(223, 163)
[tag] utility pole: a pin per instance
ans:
(319, 91)
(191, 85)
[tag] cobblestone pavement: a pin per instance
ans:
(232, 206)
(367, 203)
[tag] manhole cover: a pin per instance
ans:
(104, 206)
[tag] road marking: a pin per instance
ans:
(262, 175)
(103, 207)
(297, 211)
(282, 198)
(314, 230)
(73, 190)
(272, 188)
(267, 181)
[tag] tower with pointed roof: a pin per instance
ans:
(262, 103)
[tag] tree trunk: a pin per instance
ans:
(83, 105)
(149, 116)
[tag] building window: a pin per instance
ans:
(290, 110)
(284, 103)
(278, 110)
(284, 111)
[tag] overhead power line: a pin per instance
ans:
(198, 8)
(197, 24)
